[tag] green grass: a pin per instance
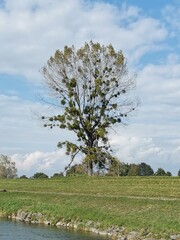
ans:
(133, 202)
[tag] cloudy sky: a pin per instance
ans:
(148, 34)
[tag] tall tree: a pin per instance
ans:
(92, 86)
(7, 167)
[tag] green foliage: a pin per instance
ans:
(93, 88)
(145, 170)
(39, 175)
(77, 169)
(57, 175)
(7, 167)
(23, 177)
(168, 174)
(160, 172)
(179, 173)
(133, 170)
(118, 168)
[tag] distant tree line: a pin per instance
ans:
(118, 168)
(41, 175)
(115, 168)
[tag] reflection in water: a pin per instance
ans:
(10, 230)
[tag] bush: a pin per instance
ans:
(160, 172)
(23, 177)
(57, 175)
(39, 175)
(168, 174)
(145, 170)
(77, 169)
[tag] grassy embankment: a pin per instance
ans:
(132, 202)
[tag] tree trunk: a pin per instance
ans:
(90, 161)
(90, 168)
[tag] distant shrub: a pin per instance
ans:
(145, 170)
(77, 169)
(39, 175)
(160, 172)
(57, 175)
(23, 177)
(168, 174)
(133, 170)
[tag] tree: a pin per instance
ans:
(168, 174)
(160, 172)
(92, 87)
(23, 177)
(7, 167)
(114, 168)
(57, 175)
(118, 168)
(124, 169)
(40, 175)
(145, 170)
(77, 169)
(133, 170)
(179, 173)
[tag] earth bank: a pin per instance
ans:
(114, 232)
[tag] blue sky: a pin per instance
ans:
(148, 34)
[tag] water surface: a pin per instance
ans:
(10, 230)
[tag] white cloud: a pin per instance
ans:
(153, 134)
(38, 161)
(23, 137)
(135, 149)
(32, 30)
(159, 88)
(21, 128)
(33, 148)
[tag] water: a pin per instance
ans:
(10, 230)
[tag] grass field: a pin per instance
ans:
(136, 203)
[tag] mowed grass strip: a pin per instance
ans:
(132, 202)
(160, 187)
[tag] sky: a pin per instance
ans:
(147, 32)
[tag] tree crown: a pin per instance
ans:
(92, 86)
(7, 167)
